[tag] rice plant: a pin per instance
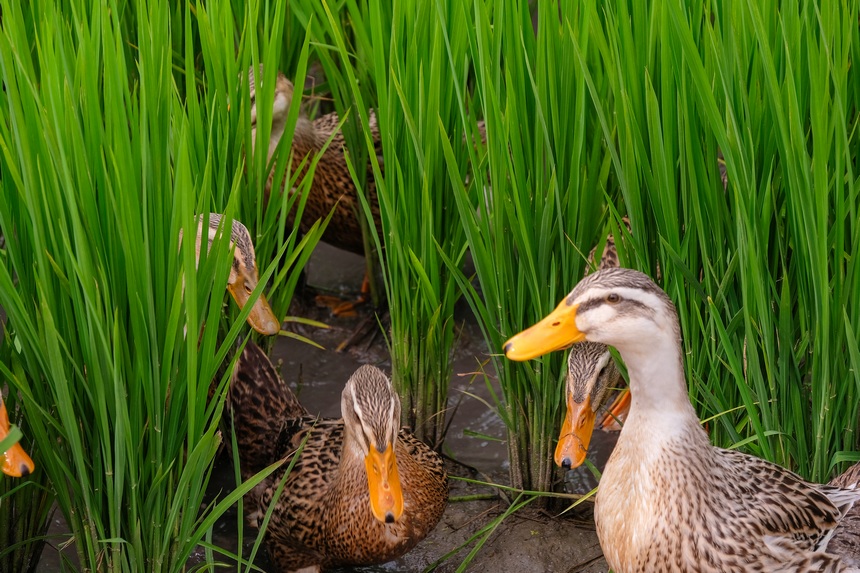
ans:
(102, 164)
(398, 53)
(348, 21)
(762, 272)
(534, 203)
(265, 36)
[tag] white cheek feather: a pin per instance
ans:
(368, 439)
(390, 418)
(600, 319)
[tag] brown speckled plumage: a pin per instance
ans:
(668, 500)
(323, 517)
(609, 256)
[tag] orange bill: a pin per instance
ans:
(383, 481)
(16, 462)
(261, 319)
(558, 330)
(575, 433)
(617, 412)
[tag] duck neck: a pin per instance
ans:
(305, 139)
(658, 386)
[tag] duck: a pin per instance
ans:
(243, 278)
(668, 500)
(332, 189)
(581, 359)
(591, 377)
(362, 490)
(16, 462)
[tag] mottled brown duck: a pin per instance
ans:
(591, 378)
(668, 499)
(332, 186)
(243, 278)
(363, 491)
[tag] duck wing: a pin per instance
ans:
(261, 404)
(846, 539)
(789, 513)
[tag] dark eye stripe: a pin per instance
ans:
(590, 304)
(623, 304)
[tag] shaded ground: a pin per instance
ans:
(531, 540)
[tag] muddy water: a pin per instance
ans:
(530, 541)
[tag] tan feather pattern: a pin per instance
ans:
(846, 538)
(668, 500)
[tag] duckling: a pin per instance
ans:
(363, 490)
(669, 500)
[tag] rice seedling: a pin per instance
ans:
(348, 21)
(102, 164)
(762, 272)
(533, 204)
(403, 47)
(25, 506)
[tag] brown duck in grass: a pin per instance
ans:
(668, 499)
(332, 189)
(363, 491)
(332, 186)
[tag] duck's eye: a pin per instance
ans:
(248, 288)
(613, 298)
